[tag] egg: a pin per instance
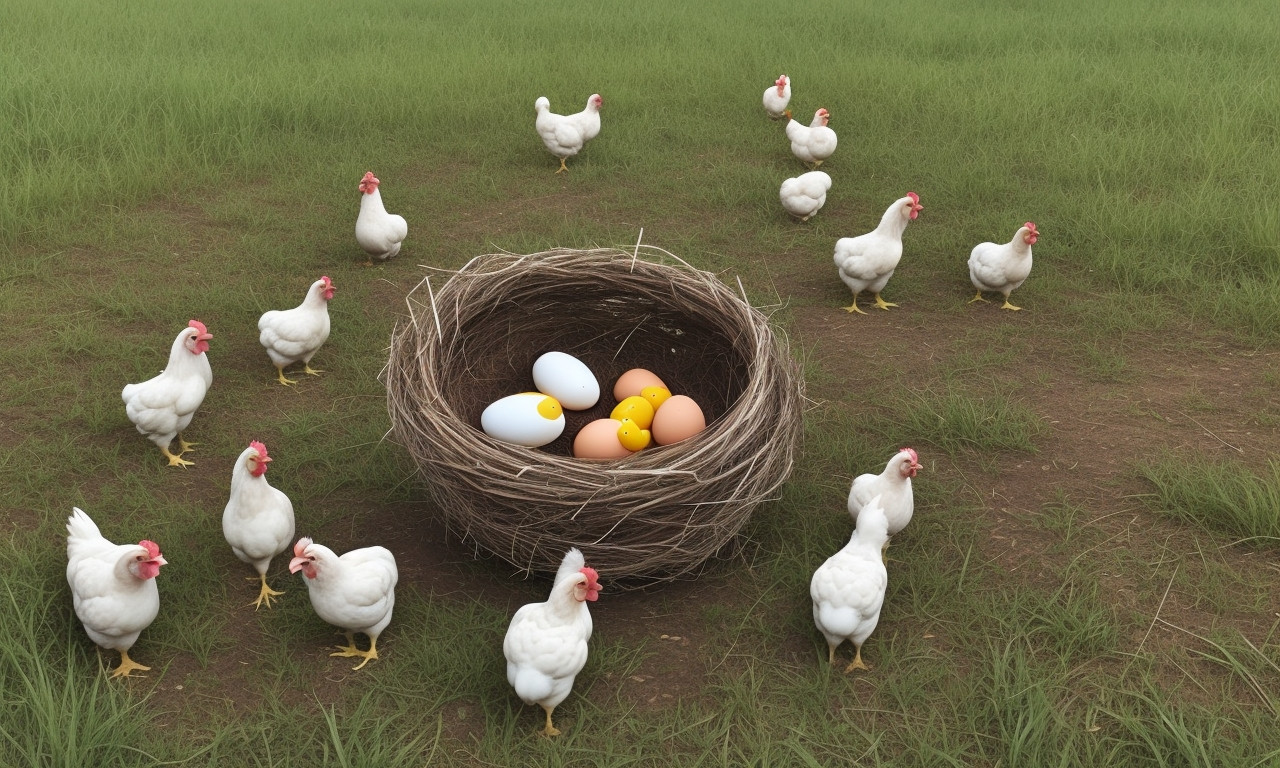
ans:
(677, 419)
(655, 395)
(633, 382)
(635, 408)
(599, 440)
(632, 436)
(530, 418)
(567, 379)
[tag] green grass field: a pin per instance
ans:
(169, 161)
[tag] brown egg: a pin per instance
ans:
(677, 419)
(599, 440)
(633, 381)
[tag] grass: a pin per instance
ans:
(166, 162)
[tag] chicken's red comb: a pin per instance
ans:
(912, 453)
(153, 549)
(369, 178)
(914, 197)
(1031, 225)
(261, 449)
(593, 582)
(300, 549)
(200, 329)
(328, 284)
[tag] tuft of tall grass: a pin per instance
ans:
(1218, 496)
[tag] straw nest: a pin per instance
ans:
(656, 515)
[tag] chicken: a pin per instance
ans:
(258, 519)
(162, 407)
(1002, 268)
(295, 335)
(113, 587)
(354, 592)
(848, 589)
(379, 233)
(805, 195)
(814, 143)
(546, 643)
(776, 98)
(867, 261)
(892, 487)
(565, 135)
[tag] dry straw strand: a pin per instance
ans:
(656, 515)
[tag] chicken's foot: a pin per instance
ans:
(283, 380)
(265, 594)
(978, 297)
(127, 665)
(854, 307)
(350, 649)
(184, 446)
(857, 662)
(1007, 305)
(307, 369)
(881, 303)
(175, 460)
(549, 730)
(562, 167)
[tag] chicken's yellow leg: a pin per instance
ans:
(351, 650)
(175, 460)
(127, 665)
(881, 303)
(283, 380)
(309, 370)
(977, 298)
(562, 167)
(265, 594)
(857, 662)
(549, 730)
(854, 306)
(183, 445)
(1007, 305)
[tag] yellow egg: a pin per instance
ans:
(635, 408)
(632, 436)
(655, 395)
(599, 440)
(633, 381)
(530, 419)
(678, 419)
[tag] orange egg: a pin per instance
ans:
(633, 381)
(599, 440)
(679, 418)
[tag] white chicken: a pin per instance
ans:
(546, 643)
(813, 143)
(162, 407)
(866, 262)
(258, 519)
(113, 587)
(804, 195)
(777, 97)
(848, 589)
(565, 135)
(1002, 268)
(354, 592)
(379, 233)
(892, 487)
(295, 335)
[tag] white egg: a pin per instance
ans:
(529, 418)
(567, 379)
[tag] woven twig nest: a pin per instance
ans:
(655, 515)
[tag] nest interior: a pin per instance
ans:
(658, 514)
